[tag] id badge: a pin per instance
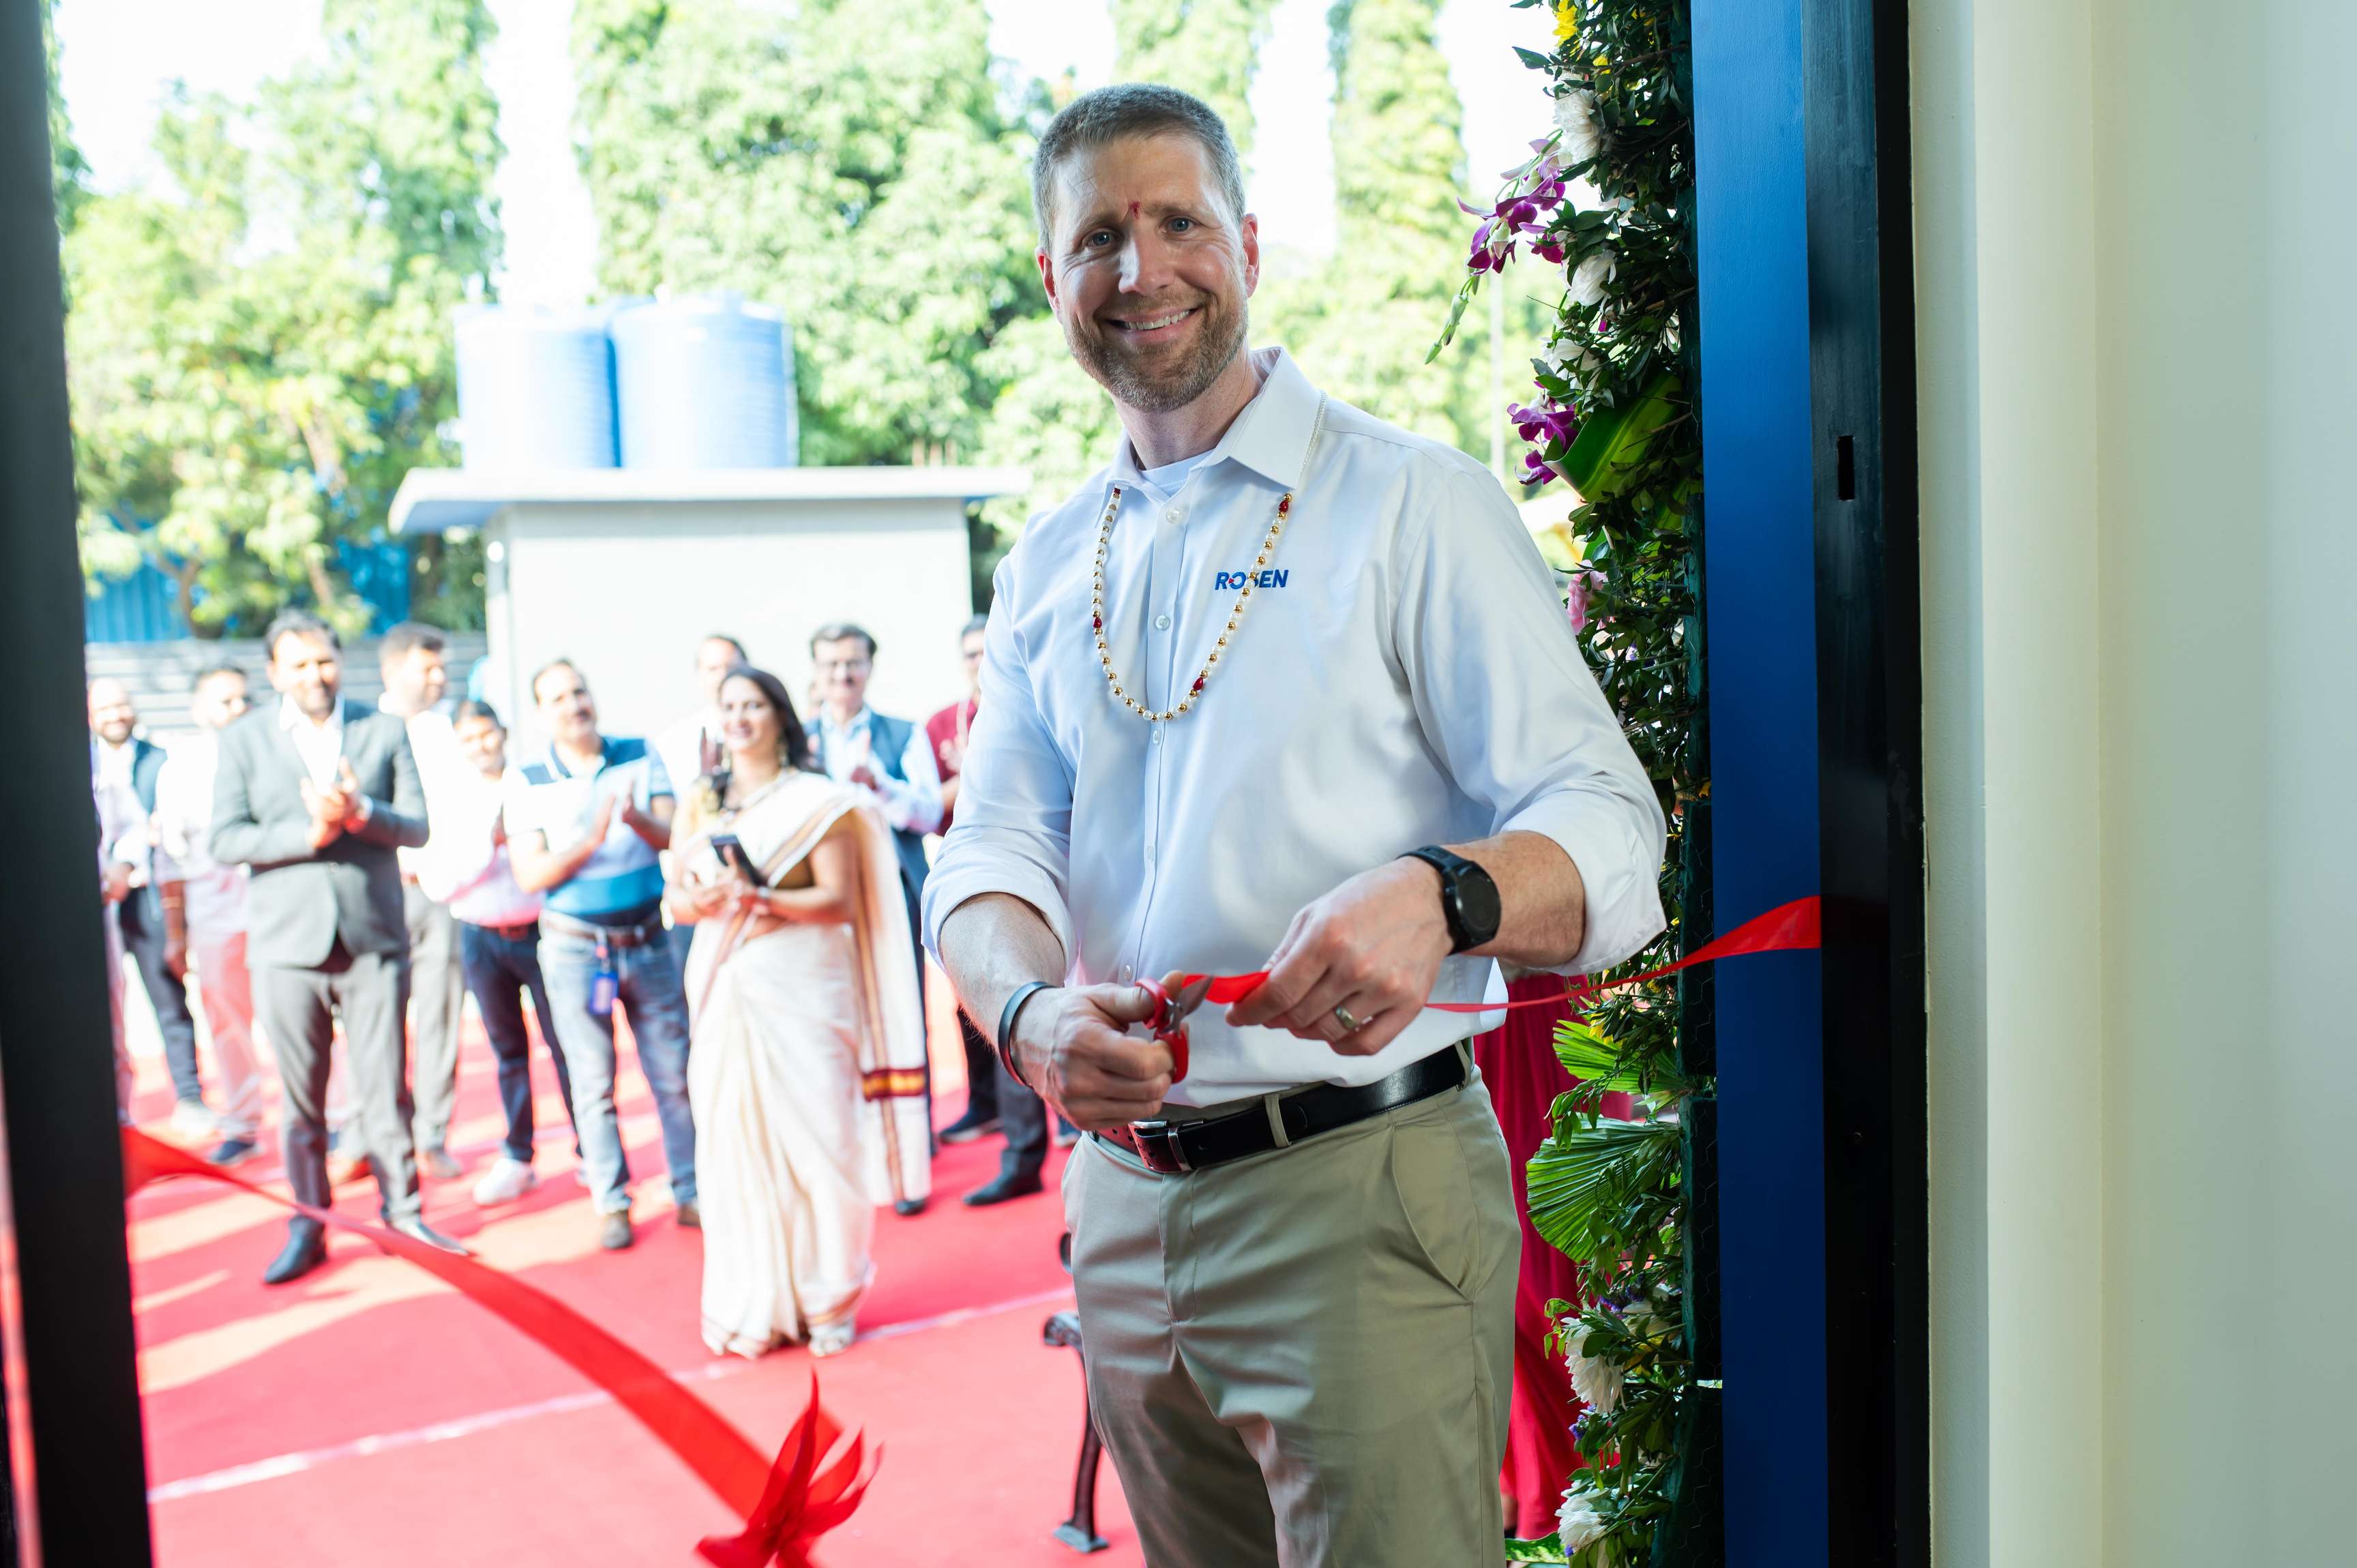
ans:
(605, 985)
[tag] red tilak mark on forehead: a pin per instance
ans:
(1132, 210)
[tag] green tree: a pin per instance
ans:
(1362, 322)
(1207, 48)
(873, 188)
(68, 172)
(260, 344)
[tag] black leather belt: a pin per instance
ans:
(1175, 1148)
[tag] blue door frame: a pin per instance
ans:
(1810, 573)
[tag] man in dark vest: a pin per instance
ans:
(890, 758)
(118, 753)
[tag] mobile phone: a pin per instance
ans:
(731, 851)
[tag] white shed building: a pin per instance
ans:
(624, 570)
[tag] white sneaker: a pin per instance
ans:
(194, 1119)
(509, 1180)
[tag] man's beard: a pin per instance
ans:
(1171, 385)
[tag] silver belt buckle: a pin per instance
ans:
(1158, 1147)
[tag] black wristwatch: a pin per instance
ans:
(1468, 896)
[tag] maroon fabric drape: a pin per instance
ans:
(1518, 1063)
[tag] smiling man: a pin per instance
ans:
(1285, 687)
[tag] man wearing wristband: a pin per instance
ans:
(1284, 688)
(585, 825)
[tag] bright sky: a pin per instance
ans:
(119, 54)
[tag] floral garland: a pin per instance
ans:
(1608, 195)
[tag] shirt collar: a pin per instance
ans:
(1270, 437)
(290, 716)
(557, 768)
(858, 720)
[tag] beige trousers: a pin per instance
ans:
(1302, 1360)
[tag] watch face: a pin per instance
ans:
(1477, 903)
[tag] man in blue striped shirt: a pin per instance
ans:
(586, 822)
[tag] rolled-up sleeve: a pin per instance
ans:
(1014, 825)
(1504, 695)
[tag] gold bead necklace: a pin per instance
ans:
(1235, 611)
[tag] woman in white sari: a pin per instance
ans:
(805, 1070)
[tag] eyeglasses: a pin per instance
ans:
(841, 666)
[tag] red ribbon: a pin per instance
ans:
(1787, 928)
(788, 1503)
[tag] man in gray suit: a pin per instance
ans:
(314, 795)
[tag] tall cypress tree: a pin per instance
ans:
(1207, 48)
(1361, 324)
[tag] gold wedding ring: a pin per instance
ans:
(1349, 1026)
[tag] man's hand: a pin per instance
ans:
(1071, 1046)
(1372, 947)
(176, 955)
(329, 807)
(598, 825)
(864, 776)
(115, 886)
(347, 785)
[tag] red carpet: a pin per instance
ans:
(367, 1415)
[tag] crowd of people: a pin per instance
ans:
(743, 888)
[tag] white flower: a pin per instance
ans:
(1589, 279)
(1578, 1520)
(1596, 1381)
(1568, 360)
(1583, 133)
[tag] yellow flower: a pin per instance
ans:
(1566, 19)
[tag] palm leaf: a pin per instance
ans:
(1583, 1181)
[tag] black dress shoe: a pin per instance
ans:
(1007, 1184)
(307, 1249)
(418, 1230)
(907, 1206)
(231, 1150)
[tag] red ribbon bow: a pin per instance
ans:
(788, 1504)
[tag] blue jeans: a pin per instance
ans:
(500, 970)
(656, 1000)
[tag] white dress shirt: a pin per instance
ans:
(1406, 676)
(321, 747)
(214, 896)
(441, 766)
(912, 805)
(461, 865)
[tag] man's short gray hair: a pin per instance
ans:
(1133, 109)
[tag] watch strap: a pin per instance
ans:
(1452, 867)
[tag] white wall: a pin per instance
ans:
(628, 592)
(2137, 245)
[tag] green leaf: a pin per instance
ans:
(1534, 59)
(1546, 1549)
(1581, 1184)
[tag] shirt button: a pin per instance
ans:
(1157, 738)
(1149, 849)
(1162, 623)
(1124, 975)
(1174, 514)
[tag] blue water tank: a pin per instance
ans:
(705, 381)
(535, 388)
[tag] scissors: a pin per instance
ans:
(1169, 1020)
